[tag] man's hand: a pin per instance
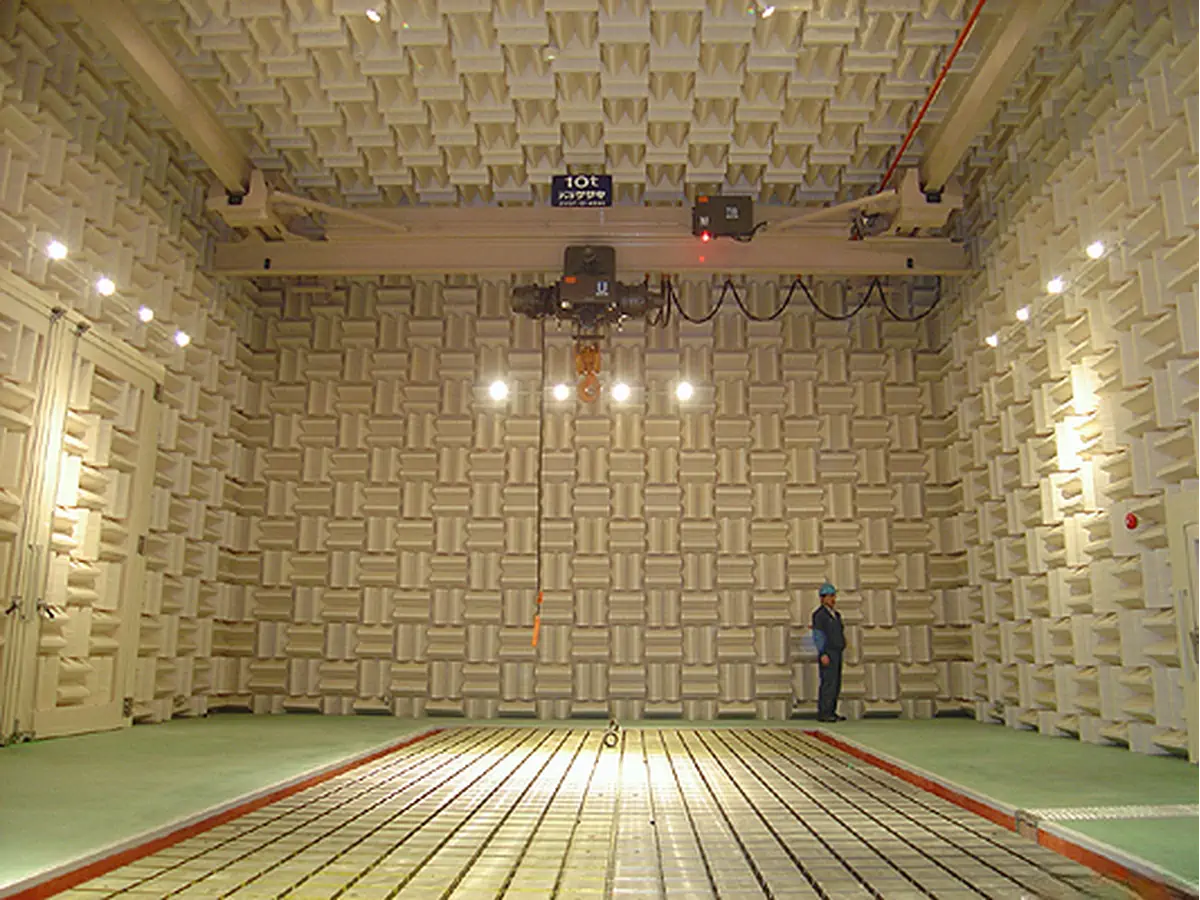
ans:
(824, 659)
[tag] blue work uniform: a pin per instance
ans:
(830, 640)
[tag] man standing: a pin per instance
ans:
(830, 641)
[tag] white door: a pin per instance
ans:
(25, 365)
(1188, 617)
(88, 638)
(73, 637)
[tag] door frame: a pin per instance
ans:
(1183, 514)
(25, 303)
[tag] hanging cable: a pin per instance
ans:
(773, 316)
(828, 315)
(541, 452)
(919, 316)
(708, 316)
(663, 317)
(747, 238)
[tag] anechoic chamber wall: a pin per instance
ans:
(1086, 412)
(682, 543)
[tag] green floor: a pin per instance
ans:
(61, 799)
(65, 798)
(1032, 771)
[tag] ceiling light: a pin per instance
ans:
(182, 338)
(498, 390)
(621, 392)
(105, 287)
(561, 392)
(146, 314)
(373, 15)
(1095, 249)
(1056, 285)
(768, 11)
(56, 250)
(992, 340)
(684, 390)
(1023, 314)
(549, 54)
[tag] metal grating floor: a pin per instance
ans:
(550, 812)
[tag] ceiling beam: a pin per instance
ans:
(139, 54)
(1006, 53)
(505, 254)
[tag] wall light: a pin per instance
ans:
(621, 392)
(105, 287)
(498, 390)
(992, 340)
(561, 392)
(56, 250)
(374, 16)
(182, 338)
(684, 390)
(1023, 314)
(1095, 249)
(146, 314)
(1056, 285)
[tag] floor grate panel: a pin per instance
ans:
(674, 813)
(1093, 813)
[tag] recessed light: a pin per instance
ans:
(1056, 285)
(498, 390)
(621, 392)
(1023, 314)
(684, 390)
(182, 338)
(146, 314)
(105, 287)
(561, 392)
(992, 340)
(56, 250)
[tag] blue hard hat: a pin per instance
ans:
(826, 590)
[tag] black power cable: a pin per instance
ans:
(917, 318)
(836, 318)
(747, 238)
(708, 316)
(773, 316)
(663, 317)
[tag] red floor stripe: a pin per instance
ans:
(1110, 868)
(103, 866)
(1144, 886)
(982, 809)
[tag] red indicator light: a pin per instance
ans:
(705, 236)
(1131, 521)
